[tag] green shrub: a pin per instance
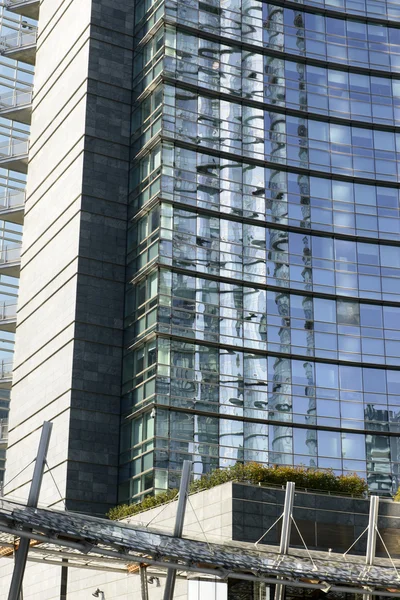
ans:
(254, 473)
(127, 510)
(396, 497)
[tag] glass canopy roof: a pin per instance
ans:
(95, 543)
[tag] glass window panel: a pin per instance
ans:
(393, 382)
(371, 316)
(324, 310)
(350, 378)
(383, 140)
(327, 375)
(390, 256)
(348, 312)
(329, 444)
(353, 446)
(374, 380)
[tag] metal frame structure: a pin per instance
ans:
(90, 542)
(51, 537)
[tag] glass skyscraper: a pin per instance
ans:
(262, 316)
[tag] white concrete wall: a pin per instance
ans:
(64, 276)
(42, 582)
(68, 350)
(47, 303)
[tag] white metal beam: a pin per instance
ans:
(179, 521)
(287, 517)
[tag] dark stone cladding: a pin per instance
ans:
(92, 476)
(325, 521)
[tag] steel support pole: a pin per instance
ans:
(285, 532)
(371, 540)
(21, 554)
(144, 588)
(179, 520)
(287, 518)
(372, 527)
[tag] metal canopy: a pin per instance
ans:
(101, 544)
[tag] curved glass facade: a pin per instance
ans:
(263, 273)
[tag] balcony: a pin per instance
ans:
(8, 317)
(17, 106)
(20, 45)
(14, 155)
(10, 262)
(6, 368)
(12, 205)
(27, 8)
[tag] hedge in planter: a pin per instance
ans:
(312, 479)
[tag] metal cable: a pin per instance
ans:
(354, 543)
(268, 530)
(304, 544)
(388, 553)
(203, 532)
(54, 481)
(18, 474)
(164, 506)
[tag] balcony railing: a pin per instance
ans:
(19, 39)
(8, 312)
(14, 147)
(12, 199)
(12, 203)
(14, 154)
(17, 105)
(10, 262)
(28, 8)
(13, 3)
(6, 369)
(3, 431)
(20, 45)
(15, 98)
(8, 254)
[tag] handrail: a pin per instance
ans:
(18, 40)
(16, 98)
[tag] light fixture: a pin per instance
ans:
(99, 594)
(154, 579)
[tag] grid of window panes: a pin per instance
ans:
(15, 78)
(373, 8)
(263, 260)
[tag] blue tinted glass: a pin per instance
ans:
(350, 378)
(374, 380)
(327, 375)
